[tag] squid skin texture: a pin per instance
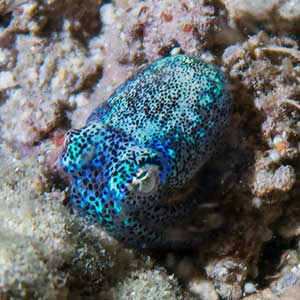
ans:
(163, 124)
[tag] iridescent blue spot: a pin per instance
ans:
(117, 207)
(202, 133)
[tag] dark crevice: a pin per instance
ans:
(270, 259)
(5, 19)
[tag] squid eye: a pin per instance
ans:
(146, 180)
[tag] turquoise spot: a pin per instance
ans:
(107, 218)
(127, 221)
(202, 133)
(117, 207)
(206, 99)
(210, 124)
(99, 207)
(172, 153)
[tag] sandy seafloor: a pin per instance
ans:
(60, 59)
